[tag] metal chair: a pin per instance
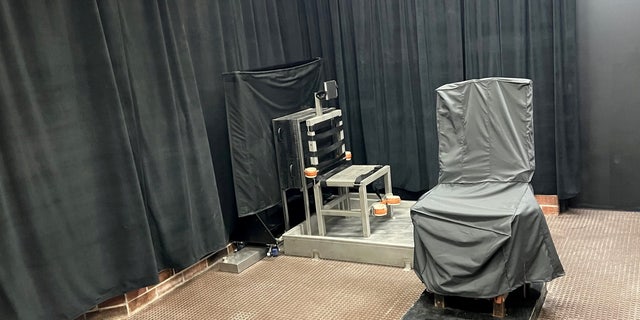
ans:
(330, 166)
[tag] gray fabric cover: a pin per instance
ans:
(480, 232)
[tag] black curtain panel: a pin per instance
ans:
(225, 36)
(72, 213)
(253, 98)
(389, 57)
(105, 171)
(609, 99)
(534, 40)
(155, 77)
(112, 119)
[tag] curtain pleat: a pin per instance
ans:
(106, 174)
(390, 56)
(70, 192)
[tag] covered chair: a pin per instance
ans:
(480, 232)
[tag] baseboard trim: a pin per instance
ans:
(549, 204)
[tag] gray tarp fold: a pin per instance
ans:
(480, 232)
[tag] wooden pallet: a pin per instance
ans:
(499, 310)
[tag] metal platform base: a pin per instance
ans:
(390, 242)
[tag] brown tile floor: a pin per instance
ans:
(600, 251)
(292, 288)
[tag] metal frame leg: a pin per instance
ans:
(388, 190)
(345, 190)
(366, 230)
(285, 209)
(317, 196)
(341, 193)
(307, 211)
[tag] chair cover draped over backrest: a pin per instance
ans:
(485, 131)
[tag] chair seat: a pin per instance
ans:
(352, 175)
(483, 204)
(481, 240)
